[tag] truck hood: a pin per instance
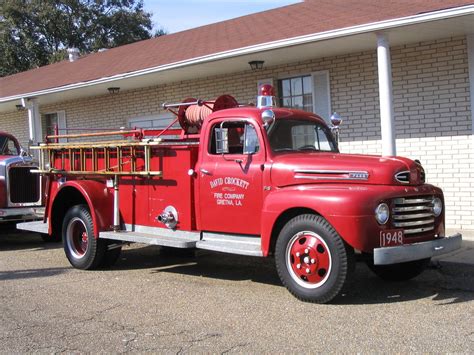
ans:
(303, 168)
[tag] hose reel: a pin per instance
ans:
(192, 112)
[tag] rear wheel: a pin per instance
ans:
(82, 249)
(400, 271)
(312, 260)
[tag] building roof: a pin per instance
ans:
(305, 18)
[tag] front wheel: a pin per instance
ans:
(400, 271)
(312, 260)
(82, 249)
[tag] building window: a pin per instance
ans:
(50, 123)
(51, 120)
(297, 93)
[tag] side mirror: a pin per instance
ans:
(336, 120)
(268, 117)
(222, 140)
(250, 140)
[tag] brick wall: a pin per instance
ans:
(432, 109)
(16, 123)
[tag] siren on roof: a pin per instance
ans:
(266, 97)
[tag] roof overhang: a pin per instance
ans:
(424, 27)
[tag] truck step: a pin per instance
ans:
(153, 239)
(233, 244)
(36, 226)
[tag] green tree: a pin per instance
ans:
(38, 32)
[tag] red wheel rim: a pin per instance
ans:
(308, 259)
(76, 238)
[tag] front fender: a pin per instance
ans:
(349, 209)
(94, 193)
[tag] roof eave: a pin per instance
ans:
(321, 36)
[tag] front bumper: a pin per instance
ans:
(21, 213)
(417, 251)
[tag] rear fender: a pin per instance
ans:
(93, 193)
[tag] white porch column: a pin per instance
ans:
(34, 120)
(387, 116)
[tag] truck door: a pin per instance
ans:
(231, 178)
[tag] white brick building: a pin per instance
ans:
(432, 65)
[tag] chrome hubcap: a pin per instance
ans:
(76, 238)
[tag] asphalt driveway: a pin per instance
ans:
(218, 303)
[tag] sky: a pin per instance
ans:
(179, 15)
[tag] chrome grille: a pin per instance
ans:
(24, 186)
(413, 214)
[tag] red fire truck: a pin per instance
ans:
(260, 181)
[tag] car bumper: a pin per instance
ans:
(417, 251)
(21, 213)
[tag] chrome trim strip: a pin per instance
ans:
(411, 201)
(416, 251)
(414, 223)
(404, 181)
(326, 178)
(304, 171)
(352, 175)
(412, 208)
(418, 230)
(412, 216)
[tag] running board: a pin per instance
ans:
(233, 244)
(153, 239)
(36, 226)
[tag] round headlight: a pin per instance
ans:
(437, 206)
(382, 213)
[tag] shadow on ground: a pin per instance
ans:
(14, 239)
(31, 274)
(442, 281)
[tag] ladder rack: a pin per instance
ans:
(115, 158)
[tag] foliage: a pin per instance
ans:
(38, 32)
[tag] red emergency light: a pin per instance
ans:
(266, 97)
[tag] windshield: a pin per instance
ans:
(296, 135)
(7, 146)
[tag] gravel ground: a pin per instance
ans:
(218, 303)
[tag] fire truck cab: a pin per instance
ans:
(258, 181)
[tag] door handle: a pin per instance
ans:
(204, 171)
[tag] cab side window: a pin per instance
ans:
(233, 138)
